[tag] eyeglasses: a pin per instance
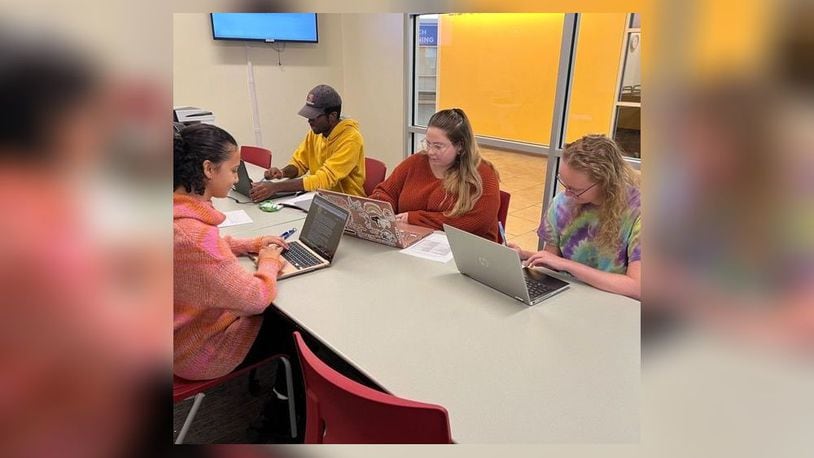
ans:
(572, 191)
(438, 147)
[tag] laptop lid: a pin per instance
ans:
(494, 265)
(244, 183)
(375, 220)
(323, 227)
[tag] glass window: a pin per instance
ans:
(629, 130)
(426, 68)
(500, 68)
(595, 78)
(416, 145)
(632, 75)
(628, 126)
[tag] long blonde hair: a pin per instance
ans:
(461, 179)
(601, 159)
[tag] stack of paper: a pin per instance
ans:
(434, 247)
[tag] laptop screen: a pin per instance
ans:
(323, 227)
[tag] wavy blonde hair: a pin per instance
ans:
(461, 179)
(601, 159)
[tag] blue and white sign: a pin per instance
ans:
(428, 34)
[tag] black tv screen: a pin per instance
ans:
(300, 27)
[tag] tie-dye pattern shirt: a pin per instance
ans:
(573, 230)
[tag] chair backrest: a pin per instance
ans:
(503, 210)
(375, 170)
(342, 411)
(256, 155)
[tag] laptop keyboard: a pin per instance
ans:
(536, 288)
(299, 257)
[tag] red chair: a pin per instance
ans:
(375, 170)
(256, 155)
(342, 411)
(503, 210)
(183, 389)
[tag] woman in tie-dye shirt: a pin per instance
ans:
(592, 229)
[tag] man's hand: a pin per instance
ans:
(273, 173)
(262, 191)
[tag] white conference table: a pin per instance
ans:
(565, 370)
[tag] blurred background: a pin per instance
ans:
(727, 124)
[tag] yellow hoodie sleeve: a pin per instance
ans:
(346, 155)
(298, 157)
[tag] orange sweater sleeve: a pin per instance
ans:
(390, 189)
(481, 220)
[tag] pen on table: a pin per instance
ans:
(288, 233)
(502, 232)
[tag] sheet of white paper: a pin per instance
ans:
(434, 247)
(300, 198)
(235, 217)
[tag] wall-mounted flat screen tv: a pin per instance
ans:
(268, 27)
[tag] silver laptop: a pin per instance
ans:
(374, 220)
(319, 239)
(499, 267)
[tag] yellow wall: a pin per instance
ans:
(502, 70)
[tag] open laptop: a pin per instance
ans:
(244, 184)
(498, 266)
(319, 239)
(374, 220)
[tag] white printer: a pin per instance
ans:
(192, 115)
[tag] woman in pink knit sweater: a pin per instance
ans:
(217, 303)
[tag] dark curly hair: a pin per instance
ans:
(191, 147)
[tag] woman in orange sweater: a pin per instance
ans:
(447, 182)
(217, 303)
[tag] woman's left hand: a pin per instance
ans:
(401, 217)
(545, 259)
(267, 240)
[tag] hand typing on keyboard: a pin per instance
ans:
(271, 252)
(267, 240)
(545, 259)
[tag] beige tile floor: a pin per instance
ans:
(523, 176)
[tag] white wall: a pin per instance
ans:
(374, 82)
(361, 55)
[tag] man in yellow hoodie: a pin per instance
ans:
(333, 152)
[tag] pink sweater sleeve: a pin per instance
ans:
(240, 291)
(243, 246)
(208, 261)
